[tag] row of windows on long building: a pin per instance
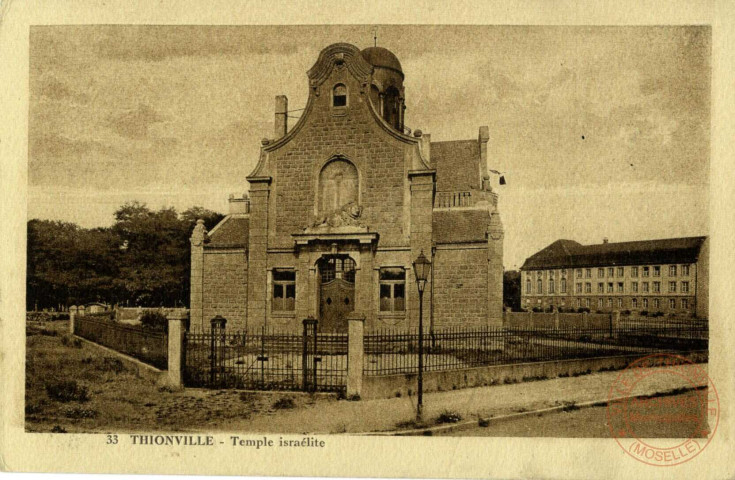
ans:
(643, 303)
(612, 272)
(609, 287)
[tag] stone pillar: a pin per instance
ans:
(258, 261)
(355, 354)
(72, 317)
(176, 332)
(422, 197)
(196, 295)
(364, 285)
(556, 319)
(495, 236)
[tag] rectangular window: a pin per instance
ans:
(685, 270)
(609, 302)
(588, 287)
(620, 287)
(587, 302)
(645, 287)
(611, 272)
(633, 271)
(672, 270)
(672, 303)
(656, 287)
(284, 291)
(563, 286)
(579, 302)
(600, 303)
(551, 285)
(539, 286)
(672, 287)
(392, 289)
(588, 273)
(656, 303)
(621, 271)
(684, 303)
(646, 271)
(620, 303)
(634, 303)
(600, 287)
(634, 287)
(684, 287)
(656, 271)
(578, 288)
(610, 287)
(600, 273)
(579, 273)
(528, 286)
(645, 303)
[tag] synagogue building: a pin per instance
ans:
(341, 204)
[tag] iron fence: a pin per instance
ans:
(149, 346)
(266, 359)
(396, 352)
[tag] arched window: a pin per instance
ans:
(339, 96)
(338, 186)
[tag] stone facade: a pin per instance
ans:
(342, 203)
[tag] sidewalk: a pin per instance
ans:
(387, 414)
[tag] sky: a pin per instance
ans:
(600, 131)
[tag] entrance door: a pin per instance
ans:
(337, 292)
(337, 301)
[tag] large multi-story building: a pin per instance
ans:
(340, 206)
(667, 276)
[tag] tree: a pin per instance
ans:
(143, 259)
(512, 289)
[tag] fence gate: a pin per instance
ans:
(264, 359)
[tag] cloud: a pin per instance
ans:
(157, 43)
(135, 124)
(54, 89)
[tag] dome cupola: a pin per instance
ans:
(386, 91)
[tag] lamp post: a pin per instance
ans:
(421, 267)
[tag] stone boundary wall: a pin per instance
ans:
(390, 386)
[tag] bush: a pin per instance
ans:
(583, 310)
(448, 416)
(284, 403)
(154, 320)
(71, 341)
(537, 309)
(625, 312)
(111, 364)
(67, 391)
(644, 313)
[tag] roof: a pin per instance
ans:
(460, 226)
(381, 57)
(231, 232)
(457, 165)
(568, 253)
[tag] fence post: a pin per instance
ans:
(72, 317)
(176, 332)
(556, 319)
(585, 320)
(530, 319)
(355, 354)
(216, 369)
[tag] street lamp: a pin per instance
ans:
(422, 268)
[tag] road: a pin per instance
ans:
(585, 423)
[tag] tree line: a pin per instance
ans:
(142, 259)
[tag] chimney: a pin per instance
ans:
(605, 240)
(239, 205)
(483, 137)
(281, 116)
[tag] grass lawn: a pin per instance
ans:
(72, 386)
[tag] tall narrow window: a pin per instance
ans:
(339, 98)
(633, 271)
(528, 286)
(392, 289)
(551, 285)
(284, 290)
(634, 302)
(539, 286)
(600, 273)
(685, 270)
(563, 286)
(672, 270)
